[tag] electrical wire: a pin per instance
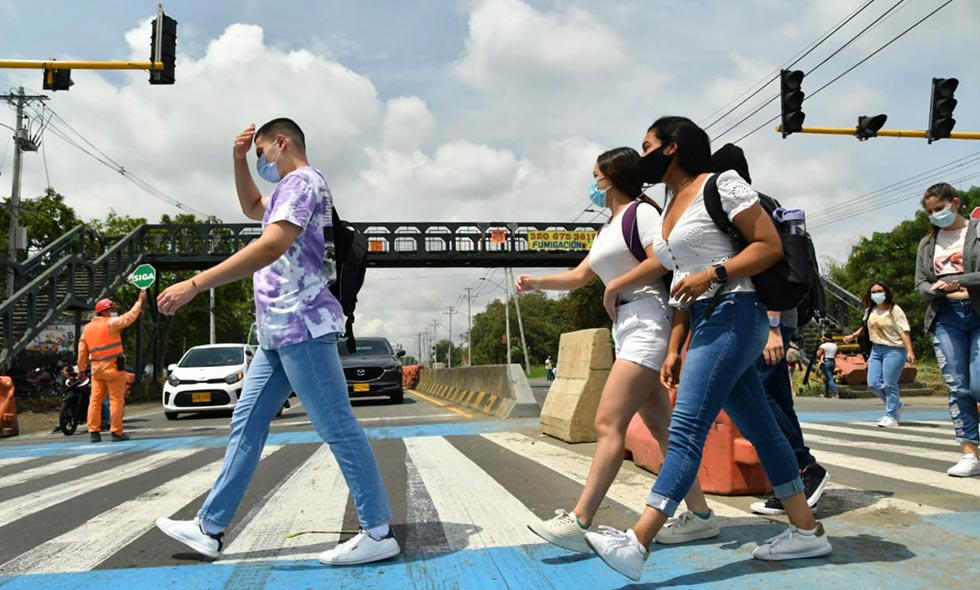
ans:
(838, 77)
(793, 61)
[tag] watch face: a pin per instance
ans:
(773, 322)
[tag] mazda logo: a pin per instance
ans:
(360, 372)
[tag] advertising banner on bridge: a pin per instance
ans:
(57, 337)
(560, 240)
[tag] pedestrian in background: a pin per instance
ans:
(947, 274)
(891, 348)
(636, 300)
(100, 352)
(827, 357)
(726, 341)
(549, 370)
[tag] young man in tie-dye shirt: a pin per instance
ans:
(298, 322)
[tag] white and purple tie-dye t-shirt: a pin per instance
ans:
(293, 302)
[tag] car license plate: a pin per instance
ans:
(360, 387)
(201, 398)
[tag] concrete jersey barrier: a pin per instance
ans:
(499, 390)
(584, 361)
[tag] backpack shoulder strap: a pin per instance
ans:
(712, 202)
(631, 232)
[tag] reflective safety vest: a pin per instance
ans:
(102, 345)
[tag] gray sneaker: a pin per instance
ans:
(689, 527)
(562, 530)
(794, 544)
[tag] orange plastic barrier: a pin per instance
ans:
(8, 408)
(410, 376)
(729, 466)
(853, 370)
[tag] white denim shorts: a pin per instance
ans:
(642, 332)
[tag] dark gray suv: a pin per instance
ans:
(374, 370)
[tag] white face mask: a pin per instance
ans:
(113, 314)
(878, 298)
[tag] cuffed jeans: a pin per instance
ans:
(956, 340)
(884, 370)
(719, 373)
(827, 368)
(312, 369)
(775, 381)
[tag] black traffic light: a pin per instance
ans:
(163, 48)
(869, 127)
(791, 101)
(941, 121)
(57, 79)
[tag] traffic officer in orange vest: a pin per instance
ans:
(101, 345)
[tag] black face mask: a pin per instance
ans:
(652, 167)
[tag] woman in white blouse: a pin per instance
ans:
(636, 300)
(726, 339)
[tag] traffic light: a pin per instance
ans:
(163, 48)
(941, 121)
(868, 127)
(791, 101)
(56, 79)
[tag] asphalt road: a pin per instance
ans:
(462, 487)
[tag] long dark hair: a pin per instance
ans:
(868, 303)
(693, 144)
(945, 193)
(620, 165)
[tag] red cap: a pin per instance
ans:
(104, 305)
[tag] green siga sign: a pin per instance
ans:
(143, 276)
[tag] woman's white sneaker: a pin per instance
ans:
(563, 530)
(887, 422)
(794, 544)
(620, 550)
(968, 466)
(688, 527)
(190, 533)
(361, 548)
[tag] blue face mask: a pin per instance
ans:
(268, 170)
(878, 298)
(943, 219)
(596, 194)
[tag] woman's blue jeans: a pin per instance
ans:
(719, 373)
(884, 370)
(312, 369)
(956, 340)
(827, 367)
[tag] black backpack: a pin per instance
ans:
(631, 233)
(794, 281)
(350, 250)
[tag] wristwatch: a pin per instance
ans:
(775, 323)
(721, 274)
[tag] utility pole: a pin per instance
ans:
(520, 322)
(507, 312)
(451, 313)
(22, 143)
(435, 340)
(214, 338)
(420, 357)
(469, 334)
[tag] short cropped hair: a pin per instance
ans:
(285, 126)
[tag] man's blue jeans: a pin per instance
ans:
(312, 369)
(827, 367)
(719, 373)
(956, 339)
(884, 370)
(775, 380)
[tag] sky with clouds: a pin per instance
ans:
(478, 110)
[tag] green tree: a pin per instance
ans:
(890, 257)
(117, 225)
(46, 218)
(582, 308)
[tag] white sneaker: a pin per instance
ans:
(794, 544)
(361, 548)
(619, 550)
(887, 422)
(967, 467)
(190, 533)
(563, 530)
(689, 527)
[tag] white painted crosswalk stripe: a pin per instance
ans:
(497, 518)
(629, 489)
(311, 501)
(50, 469)
(895, 434)
(28, 504)
(87, 546)
(938, 479)
(950, 456)
(15, 461)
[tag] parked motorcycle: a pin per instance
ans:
(44, 381)
(74, 406)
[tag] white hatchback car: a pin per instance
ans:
(207, 378)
